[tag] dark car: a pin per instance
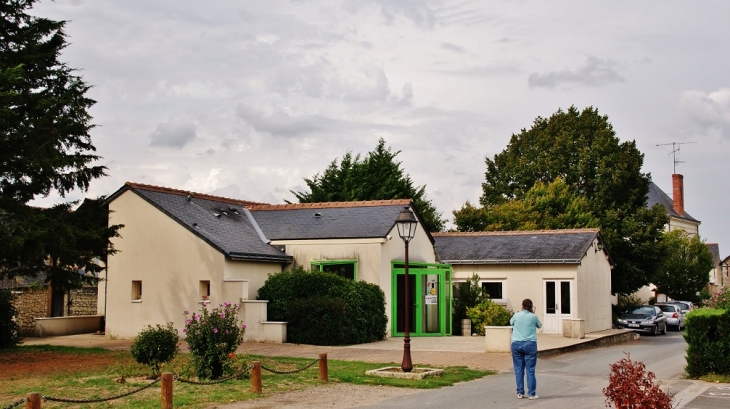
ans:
(648, 318)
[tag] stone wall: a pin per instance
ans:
(30, 304)
(83, 301)
(34, 303)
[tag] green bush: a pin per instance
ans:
(467, 295)
(155, 346)
(9, 329)
(213, 337)
(708, 345)
(487, 313)
(364, 303)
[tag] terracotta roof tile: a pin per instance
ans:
(513, 232)
(330, 205)
(160, 189)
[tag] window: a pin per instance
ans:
(204, 289)
(343, 268)
(136, 290)
(494, 289)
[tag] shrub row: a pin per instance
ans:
(325, 309)
(708, 344)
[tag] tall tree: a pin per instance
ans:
(581, 148)
(685, 270)
(545, 206)
(377, 176)
(46, 147)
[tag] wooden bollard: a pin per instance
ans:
(33, 401)
(166, 390)
(256, 377)
(323, 376)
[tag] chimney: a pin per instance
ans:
(678, 193)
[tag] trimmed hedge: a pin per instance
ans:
(325, 309)
(708, 349)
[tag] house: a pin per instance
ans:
(678, 217)
(724, 269)
(566, 273)
(180, 249)
(716, 280)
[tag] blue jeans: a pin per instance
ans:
(524, 356)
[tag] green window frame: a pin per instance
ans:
(343, 268)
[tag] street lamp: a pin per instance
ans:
(406, 223)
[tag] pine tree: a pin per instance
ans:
(46, 148)
(377, 176)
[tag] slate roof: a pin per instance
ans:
(515, 247)
(221, 222)
(715, 250)
(656, 195)
(333, 220)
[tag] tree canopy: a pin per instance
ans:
(685, 270)
(377, 176)
(46, 148)
(580, 149)
(545, 207)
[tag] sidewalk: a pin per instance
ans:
(425, 351)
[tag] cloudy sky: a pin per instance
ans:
(245, 98)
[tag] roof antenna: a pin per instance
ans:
(675, 149)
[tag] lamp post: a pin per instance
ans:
(406, 223)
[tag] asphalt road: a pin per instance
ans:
(576, 380)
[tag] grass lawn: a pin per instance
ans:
(95, 373)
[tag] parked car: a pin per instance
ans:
(674, 315)
(686, 306)
(648, 318)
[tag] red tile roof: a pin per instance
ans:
(325, 205)
(512, 232)
(141, 186)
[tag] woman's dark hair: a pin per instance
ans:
(527, 304)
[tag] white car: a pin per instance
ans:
(674, 314)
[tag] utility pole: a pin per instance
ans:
(675, 148)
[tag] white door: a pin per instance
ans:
(558, 305)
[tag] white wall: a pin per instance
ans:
(170, 261)
(591, 293)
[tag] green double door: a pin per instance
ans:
(429, 286)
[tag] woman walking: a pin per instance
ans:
(524, 348)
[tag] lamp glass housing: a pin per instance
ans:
(407, 224)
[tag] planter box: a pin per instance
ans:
(498, 339)
(574, 328)
(76, 324)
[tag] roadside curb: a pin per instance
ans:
(598, 342)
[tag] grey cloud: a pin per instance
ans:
(175, 133)
(452, 47)
(271, 119)
(708, 111)
(594, 72)
(417, 11)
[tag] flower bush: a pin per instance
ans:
(721, 299)
(212, 338)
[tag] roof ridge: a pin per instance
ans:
(514, 232)
(161, 189)
(326, 205)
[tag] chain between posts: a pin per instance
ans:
(289, 372)
(234, 376)
(12, 405)
(52, 399)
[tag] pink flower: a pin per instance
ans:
(215, 330)
(243, 326)
(223, 315)
(185, 330)
(186, 312)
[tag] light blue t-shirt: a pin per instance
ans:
(525, 325)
